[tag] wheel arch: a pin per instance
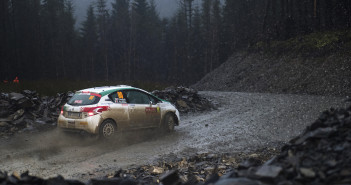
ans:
(174, 116)
(106, 119)
(101, 127)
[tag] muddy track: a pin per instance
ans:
(243, 122)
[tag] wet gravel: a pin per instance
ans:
(242, 123)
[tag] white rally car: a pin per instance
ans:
(108, 110)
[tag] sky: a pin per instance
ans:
(166, 8)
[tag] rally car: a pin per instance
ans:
(106, 111)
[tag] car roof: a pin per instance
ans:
(109, 89)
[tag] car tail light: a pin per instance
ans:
(91, 114)
(62, 110)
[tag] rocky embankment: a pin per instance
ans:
(283, 73)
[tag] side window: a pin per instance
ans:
(136, 97)
(118, 97)
(154, 100)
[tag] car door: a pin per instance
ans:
(118, 109)
(141, 112)
(154, 115)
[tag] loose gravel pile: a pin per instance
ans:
(27, 111)
(287, 73)
(185, 99)
(320, 155)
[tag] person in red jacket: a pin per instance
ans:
(16, 80)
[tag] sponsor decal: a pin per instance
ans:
(91, 97)
(78, 101)
(120, 95)
(105, 103)
(124, 104)
(158, 109)
(121, 100)
(150, 110)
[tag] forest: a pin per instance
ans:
(131, 42)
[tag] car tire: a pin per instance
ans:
(107, 129)
(168, 123)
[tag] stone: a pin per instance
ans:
(3, 124)
(156, 170)
(16, 96)
(237, 181)
(268, 171)
(307, 172)
(182, 104)
(170, 178)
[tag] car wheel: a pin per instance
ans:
(168, 123)
(108, 129)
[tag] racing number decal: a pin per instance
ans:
(120, 95)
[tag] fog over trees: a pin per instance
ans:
(131, 41)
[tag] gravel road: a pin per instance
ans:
(242, 123)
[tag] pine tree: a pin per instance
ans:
(207, 33)
(5, 33)
(120, 38)
(102, 22)
(89, 45)
(215, 34)
(139, 21)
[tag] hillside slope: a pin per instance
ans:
(328, 75)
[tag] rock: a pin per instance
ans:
(25, 103)
(17, 114)
(237, 181)
(170, 178)
(268, 171)
(16, 96)
(105, 181)
(3, 124)
(249, 163)
(182, 104)
(20, 123)
(156, 170)
(307, 172)
(345, 172)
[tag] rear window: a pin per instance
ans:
(84, 99)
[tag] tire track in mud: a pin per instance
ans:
(243, 122)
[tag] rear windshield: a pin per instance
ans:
(84, 99)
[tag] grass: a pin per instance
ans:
(52, 87)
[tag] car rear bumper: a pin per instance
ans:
(89, 124)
